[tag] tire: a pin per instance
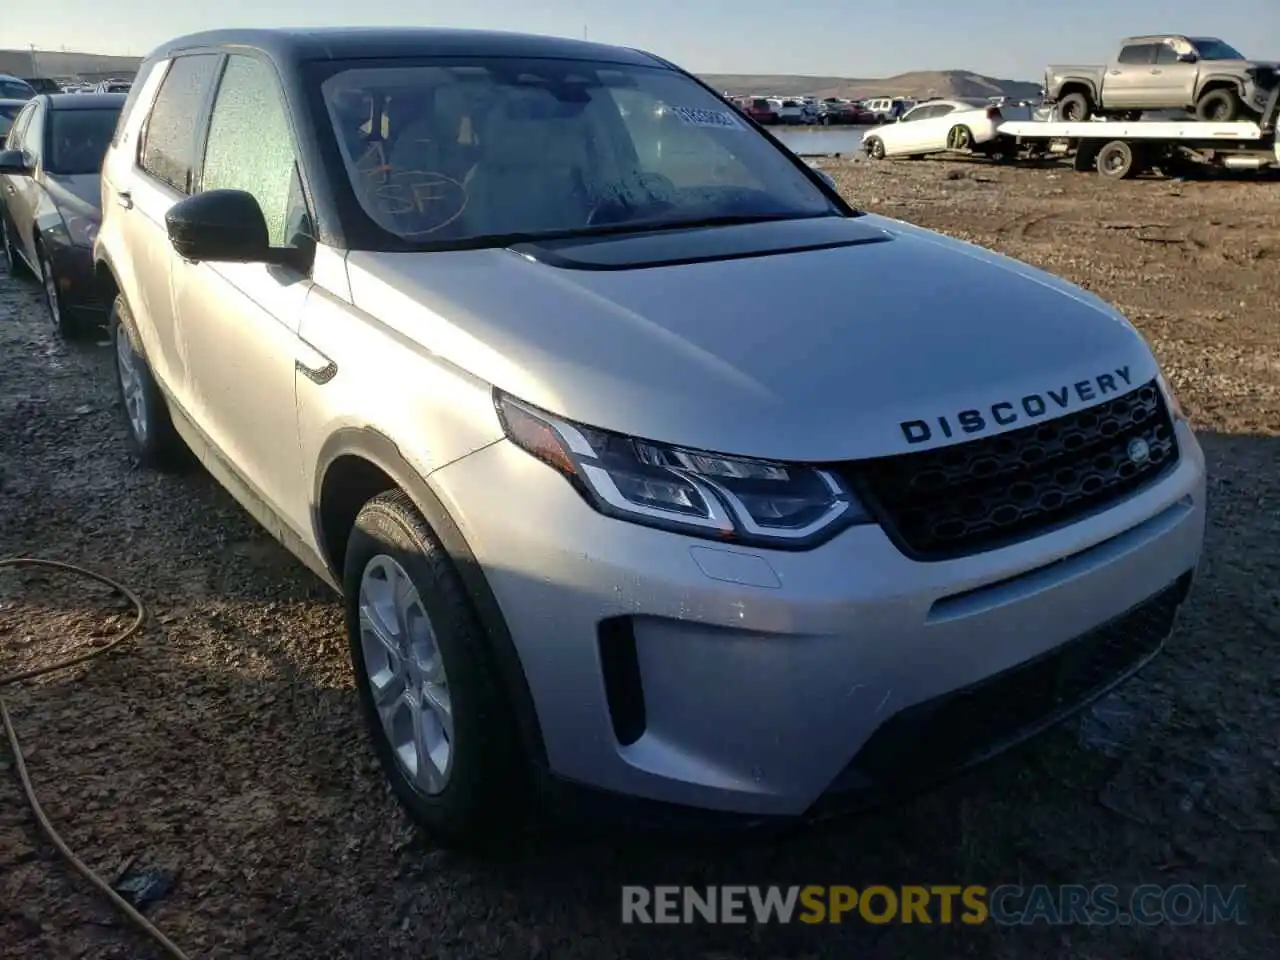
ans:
(1075, 108)
(17, 268)
(959, 137)
(1219, 106)
(1117, 160)
(68, 328)
(149, 430)
(1086, 158)
(472, 796)
(873, 147)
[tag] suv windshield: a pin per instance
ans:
(14, 89)
(78, 139)
(1216, 50)
(473, 153)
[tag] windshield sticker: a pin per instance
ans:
(700, 117)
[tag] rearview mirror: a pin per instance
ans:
(12, 162)
(221, 226)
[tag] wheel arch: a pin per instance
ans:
(1079, 85)
(1220, 81)
(358, 463)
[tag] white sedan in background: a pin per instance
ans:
(940, 125)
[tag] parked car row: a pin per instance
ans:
(50, 188)
(810, 111)
(24, 88)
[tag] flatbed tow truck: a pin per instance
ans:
(1119, 149)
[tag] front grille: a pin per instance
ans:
(982, 494)
(966, 726)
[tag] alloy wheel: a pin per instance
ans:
(406, 673)
(131, 387)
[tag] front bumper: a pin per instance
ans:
(771, 684)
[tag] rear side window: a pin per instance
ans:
(1138, 53)
(169, 145)
(135, 91)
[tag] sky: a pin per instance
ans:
(1001, 38)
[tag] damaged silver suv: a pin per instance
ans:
(653, 474)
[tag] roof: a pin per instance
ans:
(84, 101)
(348, 43)
(5, 102)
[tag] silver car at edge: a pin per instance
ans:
(654, 476)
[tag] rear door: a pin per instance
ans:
(22, 194)
(1128, 81)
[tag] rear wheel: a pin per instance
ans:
(152, 439)
(959, 138)
(1075, 108)
(874, 148)
(1219, 106)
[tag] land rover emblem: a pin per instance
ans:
(1139, 450)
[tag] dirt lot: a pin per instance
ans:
(226, 744)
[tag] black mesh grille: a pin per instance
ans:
(963, 727)
(982, 494)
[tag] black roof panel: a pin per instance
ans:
(350, 43)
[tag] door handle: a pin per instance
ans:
(1114, 73)
(125, 199)
(11, 188)
(1155, 70)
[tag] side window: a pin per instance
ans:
(941, 111)
(251, 147)
(14, 140)
(169, 144)
(1165, 54)
(1138, 53)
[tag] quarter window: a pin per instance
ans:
(251, 148)
(14, 141)
(169, 147)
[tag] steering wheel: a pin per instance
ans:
(649, 192)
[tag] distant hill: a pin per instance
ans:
(923, 83)
(60, 63)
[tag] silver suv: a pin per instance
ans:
(489, 331)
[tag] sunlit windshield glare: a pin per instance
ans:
(454, 154)
(1216, 50)
(78, 140)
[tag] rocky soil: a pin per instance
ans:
(223, 750)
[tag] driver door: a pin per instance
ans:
(240, 322)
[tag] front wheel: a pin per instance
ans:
(1219, 106)
(434, 705)
(66, 326)
(16, 267)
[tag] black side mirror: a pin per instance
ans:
(1187, 58)
(222, 226)
(12, 162)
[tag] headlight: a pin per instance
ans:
(81, 230)
(732, 499)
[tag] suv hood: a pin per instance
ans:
(821, 353)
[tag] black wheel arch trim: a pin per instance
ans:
(381, 451)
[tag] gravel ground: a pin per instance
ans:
(225, 746)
